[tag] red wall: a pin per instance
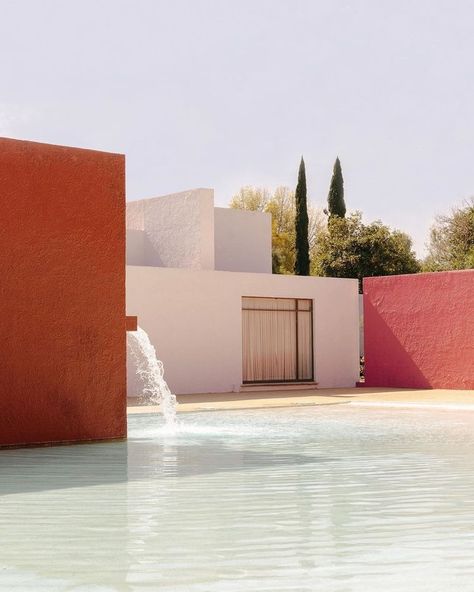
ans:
(62, 294)
(419, 330)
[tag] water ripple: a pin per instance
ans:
(337, 499)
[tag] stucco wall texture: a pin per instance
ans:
(185, 230)
(242, 240)
(62, 294)
(194, 320)
(419, 330)
(177, 230)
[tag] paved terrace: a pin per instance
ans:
(279, 398)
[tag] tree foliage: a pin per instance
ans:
(251, 198)
(281, 205)
(351, 249)
(282, 208)
(451, 243)
(336, 203)
(301, 224)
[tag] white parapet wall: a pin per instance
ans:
(243, 240)
(194, 320)
(136, 245)
(176, 230)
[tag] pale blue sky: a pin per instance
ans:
(221, 93)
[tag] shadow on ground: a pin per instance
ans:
(41, 469)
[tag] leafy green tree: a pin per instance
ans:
(351, 249)
(301, 224)
(451, 243)
(336, 203)
(281, 205)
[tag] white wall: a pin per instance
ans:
(136, 247)
(194, 320)
(178, 230)
(243, 240)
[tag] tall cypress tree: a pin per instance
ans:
(336, 203)
(301, 224)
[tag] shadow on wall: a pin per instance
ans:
(396, 368)
(140, 250)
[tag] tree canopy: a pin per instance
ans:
(336, 203)
(304, 242)
(451, 243)
(351, 249)
(281, 205)
(250, 198)
(301, 224)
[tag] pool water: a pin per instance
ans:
(332, 498)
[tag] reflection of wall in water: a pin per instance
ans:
(64, 515)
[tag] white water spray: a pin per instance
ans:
(150, 370)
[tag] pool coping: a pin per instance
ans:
(368, 397)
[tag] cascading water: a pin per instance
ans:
(150, 370)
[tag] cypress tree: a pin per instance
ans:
(336, 203)
(301, 224)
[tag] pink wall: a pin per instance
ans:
(419, 330)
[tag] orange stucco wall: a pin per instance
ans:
(62, 294)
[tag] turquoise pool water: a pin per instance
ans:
(335, 498)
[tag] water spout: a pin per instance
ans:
(150, 370)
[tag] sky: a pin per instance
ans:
(227, 93)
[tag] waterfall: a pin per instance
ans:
(150, 370)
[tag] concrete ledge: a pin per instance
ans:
(131, 323)
(388, 397)
(272, 387)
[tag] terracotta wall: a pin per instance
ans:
(419, 330)
(62, 294)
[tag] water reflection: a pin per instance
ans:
(333, 499)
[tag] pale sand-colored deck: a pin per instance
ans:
(257, 400)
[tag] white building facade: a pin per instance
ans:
(199, 279)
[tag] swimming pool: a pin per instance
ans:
(331, 498)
